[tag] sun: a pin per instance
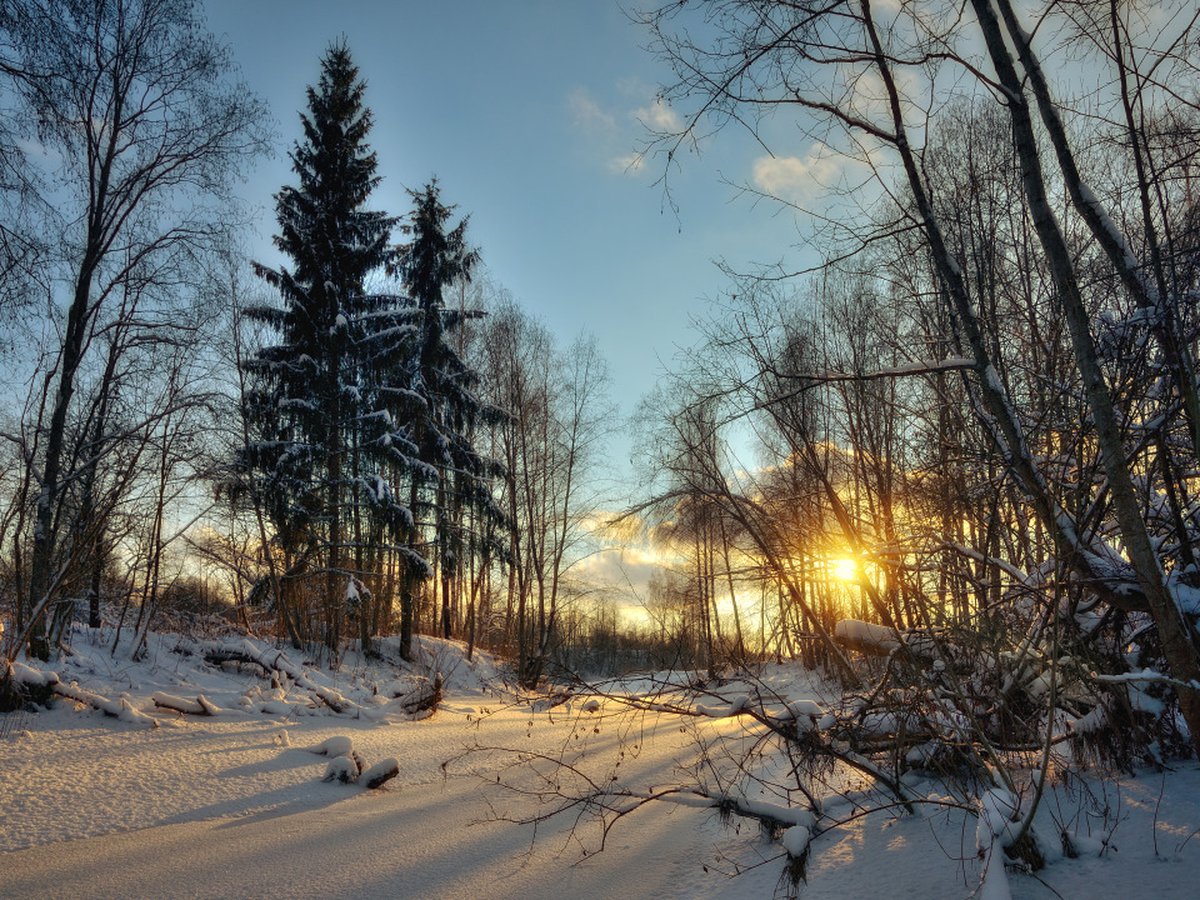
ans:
(844, 569)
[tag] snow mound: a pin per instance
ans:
(338, 745)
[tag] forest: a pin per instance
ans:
(922, 517)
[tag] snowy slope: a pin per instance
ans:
(233, 806)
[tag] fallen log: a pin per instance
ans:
(383, 771)
(881, 640)
(201, 706)
(271, 660)
(37, 681)
(119, 709)
(425, 696)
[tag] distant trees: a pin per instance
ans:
(557, 417)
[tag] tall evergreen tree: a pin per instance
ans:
(452, 485)
(327, 441)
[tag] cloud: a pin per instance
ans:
(626, 571)
(659, 117)
(797, 178)
(627, 164)
(611, 131)
(588, 114)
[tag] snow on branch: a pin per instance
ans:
(201, 706)
(31, 678)
(881, 640)
(276, 661)
(1144, 676)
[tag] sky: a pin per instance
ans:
(530, 113)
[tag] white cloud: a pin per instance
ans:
(624, 570)
(627, 164)
(587, 113)
(658, 117)
(797, 178)
(611, 132)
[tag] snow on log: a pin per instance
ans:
(380, 773)
(342, 769)
(201, 706)
(22, 686)
(210, 708)
(119, 709)
(275, 661)
(31, 677)
(122, 709)
(736, 707)
(340, 745)
(997, 809)
(881, 640)
(865, 637)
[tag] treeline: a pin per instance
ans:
(365, 439)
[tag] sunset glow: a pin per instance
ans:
(844, 569)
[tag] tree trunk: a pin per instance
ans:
(1174, 632)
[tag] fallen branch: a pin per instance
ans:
(882, 640)
(119, 709)
(36, 682)
(1145, 676)
(201, 706)
(275, 661)
(425, 696)
(383, 771)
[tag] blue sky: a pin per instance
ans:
(529, 113)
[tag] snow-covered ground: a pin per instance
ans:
(234, 805)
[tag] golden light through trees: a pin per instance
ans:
(844, 569)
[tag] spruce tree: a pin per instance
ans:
(451, 488)
(328, 446)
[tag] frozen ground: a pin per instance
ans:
(233, 806)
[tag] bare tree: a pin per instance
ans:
(557, 418)
(818, 61)
(134, 98)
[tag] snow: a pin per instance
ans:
(381, 772)
(339, 745)
(1187, 597)
(998, 810)
(867, 634)
(795, 840)
(27, 675)
(96, 806)
(341, 768)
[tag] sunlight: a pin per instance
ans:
(844, 569)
